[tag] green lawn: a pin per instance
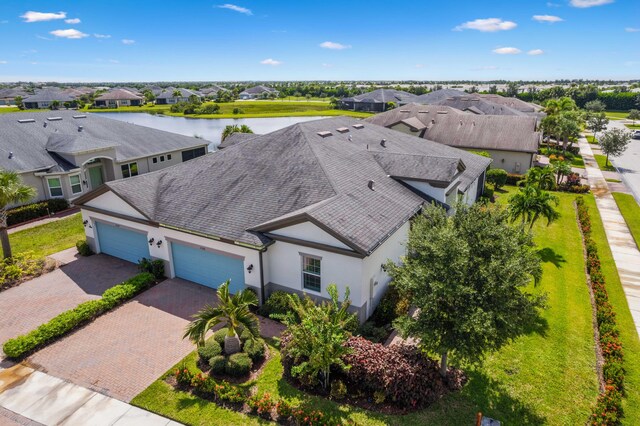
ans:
(591, 139)
(616, 115)
(544, 377)
(577, 161)
(631, 213)
(633, 126)
(601, 159)
(613, 180)
(49, 238)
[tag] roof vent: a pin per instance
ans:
(383, 143)
(79, 116)
(423, 112)
(342, 129)
(404, 110)
(461, 122)
(44, 124)
(10, 155)
(358, 126)
(442, 112)
(80, 128)
(54, 118)
(325, 134)
(371, 185)
(350, 138)
(27, 120)
(433, 121)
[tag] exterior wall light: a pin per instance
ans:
(151, 241)
(159, 243)
(250, 268)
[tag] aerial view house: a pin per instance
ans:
(46, 98)
(64, 154)
(377, 100)
(8, 95)
(212, 91)
(512, 141)
(258, 92)
(170, 96)
(319, 202)
(118, 97)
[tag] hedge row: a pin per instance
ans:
(608, 409)
(36, 210)
(74, 318)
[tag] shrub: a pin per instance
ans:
(209, 350)
(183, 376)
(238, 365)
(513, 179)
(488, 193)
(262, 405)
(83, 248)
(205, 386)
(36, 210)
(307, 417)
(19, 266)
(73, 318)
(370, 331)
(390, 307)
(338, 390)
(255, 349)
(227, 392)
(497, 177)
(218, 364)
(284, 410)
(219, 336)
(277, 303)
(154, 267)
(238, 111)
(209, 108)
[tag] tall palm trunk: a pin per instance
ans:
(443, 365)
(4, 234)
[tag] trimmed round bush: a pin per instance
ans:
(219, 336)
(255, 349)
(209, 350)
(277, 303)
(218, 364)
(245, 336)
(238, 365)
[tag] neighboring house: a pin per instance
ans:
(479, 104)
(8, 95)
(118, 97)
(212, 91)
(65, 154)
(377, 100)
(45, 98)
(512, 141)
(236, 138)
(315, 203)
(169, 97)
(258, 92)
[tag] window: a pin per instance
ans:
(155, 160)
(55, 187)
(162, 158)
(168, 157)
(76, 185)
(311, 272)
(193, 153)
(129, 170)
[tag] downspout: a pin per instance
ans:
(262, 298)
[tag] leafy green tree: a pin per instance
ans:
(540, 177)
(149, 96)
(634, 115)
(465, 274)
(614, 142)
(512, 89)
(176, 93)
(497, 177)
(561, 169)
(530, 203)
(595, 106)
(389, 106)
(18, 101)
(55, 104)
(12, 191)
(231, 310)
(597, 122)
(234, 128)
(317, 336)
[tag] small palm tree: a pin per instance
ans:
(233, 311)
(531, 203)
(177, 94)
(12, 191)
(541, 177)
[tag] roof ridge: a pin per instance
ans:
(298, 127)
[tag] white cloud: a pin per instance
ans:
(535, 52)
(507, 51)
(235, 8)
(41, 37)
(551, 4)
(128, 41)
(4, 62)
(589, 3)
(270, 61)
(69, 33)
(488, 25)
(334, 46)
(632, 30)
(72, 21)
(102, 36)
(32, 16)
(547, 18)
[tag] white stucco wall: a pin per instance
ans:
(309, 232)
(111, 202)
(511, 161)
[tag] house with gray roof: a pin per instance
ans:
(115, 98)
(46, 98)
(319, 202)
(8, 96)
(64, 154)
(511, 141)
(258, 92)
(377, 100)
(169, 96)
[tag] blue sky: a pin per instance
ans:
(164, 40)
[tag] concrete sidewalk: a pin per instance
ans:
(625, 252)
(50, 401)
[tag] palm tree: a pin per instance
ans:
(12, 191)
(233, 311)
(530, 203)
(245, 129)
(234, 128)
(541, 177)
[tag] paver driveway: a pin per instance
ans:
(34, 302)
(122, 352)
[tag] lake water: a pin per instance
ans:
(208, 129)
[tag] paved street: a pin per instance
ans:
(629, 162)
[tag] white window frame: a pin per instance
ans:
(304, 256)
(57, 187)
(129, 169)
(71, 184)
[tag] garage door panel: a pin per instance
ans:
(122, 243)
(206, 267)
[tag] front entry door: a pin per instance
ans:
(95, 177)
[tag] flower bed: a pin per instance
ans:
(76, 317)
(608, 410)
(22, 267)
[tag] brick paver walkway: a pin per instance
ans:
(34, 302)
(624, 249)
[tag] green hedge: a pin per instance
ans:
(72, 319)
(36, 210)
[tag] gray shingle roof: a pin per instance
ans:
(486, 107)
(236, 138)
(438, 95)
(133, 141)
(256, 90)
(184, 93)
(118, 94)
(383, 96)
(293, 172)
(420, 167)
(49, 95)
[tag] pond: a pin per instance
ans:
(209, 129)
